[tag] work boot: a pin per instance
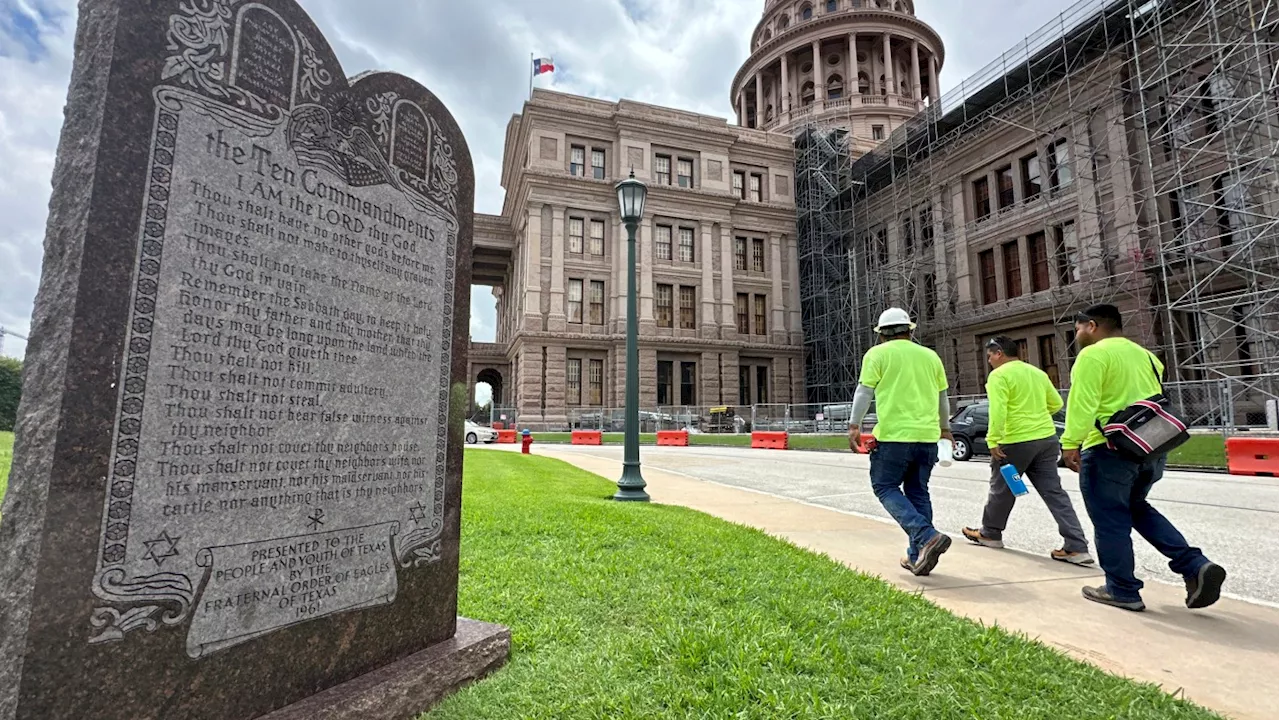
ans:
(906, 564)
(1204, 588)
(976, 537)
(930, 553)
(1102, 595)
(1075, 558)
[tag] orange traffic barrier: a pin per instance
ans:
(1253, 456)
(498, 426)
(673, 438)
(865, 438)
(507, 437)
(587, 437)
(769, 440)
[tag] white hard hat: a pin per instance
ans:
(894, 317)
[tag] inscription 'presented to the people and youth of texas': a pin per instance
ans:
(279, 448)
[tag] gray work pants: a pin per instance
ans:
(1037, 460)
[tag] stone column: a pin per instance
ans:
(852, 80)
(819, 92)
(934, 91)
(742, 107)
(965, 296)
(528, 392)
(618, 278)
(728, 319)
(644, 293)
(784, 107)
(533, 271)
(777, 328)
(794, 319)
(556, 320)
(890, 83)
(649, 378)
(759, 100)
(707, 322)
(709, 378)
(555, 413)
(915, 70)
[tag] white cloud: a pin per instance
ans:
(474, 56)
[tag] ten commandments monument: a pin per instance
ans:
(238, 467)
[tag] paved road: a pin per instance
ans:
(1235, 520)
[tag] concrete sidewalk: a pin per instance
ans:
(1226, 657)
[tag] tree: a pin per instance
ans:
(10, 391)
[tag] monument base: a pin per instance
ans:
(413, 685)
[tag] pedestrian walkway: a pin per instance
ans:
(1225, 658)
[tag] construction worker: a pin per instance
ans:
(1110, 374)
(1021, 432)
(909, 387)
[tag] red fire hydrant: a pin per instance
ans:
(526, 439)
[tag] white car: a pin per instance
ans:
(478, 433)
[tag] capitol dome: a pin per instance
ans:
(823, 62)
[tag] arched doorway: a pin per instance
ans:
(488, 395)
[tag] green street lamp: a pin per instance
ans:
(631, 194)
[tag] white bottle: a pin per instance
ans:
(945, 452)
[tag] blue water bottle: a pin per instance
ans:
(1013, 480)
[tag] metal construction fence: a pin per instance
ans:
(1223, 405)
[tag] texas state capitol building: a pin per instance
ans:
(718, 284)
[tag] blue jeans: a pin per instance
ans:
(900, 478)
(1115, 496)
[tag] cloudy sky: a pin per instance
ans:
(474, 56)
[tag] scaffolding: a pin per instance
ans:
(1156, 128)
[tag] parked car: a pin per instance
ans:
(969, 425)
(479, 433)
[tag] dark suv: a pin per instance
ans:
(969, 425)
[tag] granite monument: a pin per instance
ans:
(236, 485)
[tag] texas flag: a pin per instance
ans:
(543, 65)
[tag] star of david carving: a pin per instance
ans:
(418, 513)
(161, 548)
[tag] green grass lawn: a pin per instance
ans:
(1206, 451)
(6, 457)
(650, 611)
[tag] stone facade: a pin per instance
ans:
(716, 260)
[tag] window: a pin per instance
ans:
(575, 235)
(597, 164)
(744, 385)
(1175, 212)
(757, 181)
(877, 131)
(1030, 166)
(1244, 348)
(831, 5)
(740, 254)
(806, 93)
(987, 268)
(688, 383)
(1039, 253)
(686, 245)
(835, 87)
(688, 302)
(1059, 165)
(575, 301)
(908, 234)
(761, 325)
(806, 12)
(864, 88)
(577, 160)
(595, 382)
(597, 302)
(664, 382)
(784, 21)
(757, 255)
(744, 318)
(1012, 270)
(664, 306)
(1067, 251)
(664, 242)
(662, 169)
(1004, 186)
(926, 228)
(573, 382)
(762, 384)
(740, 184)
(597, 238)
(981, 199)
(1049, 358)
(684, 172)
(930, 295)
(882, 245)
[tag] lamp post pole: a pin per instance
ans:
(631, 485)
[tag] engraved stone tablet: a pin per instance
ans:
(238, 468)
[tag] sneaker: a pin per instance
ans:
(930, 553)
(1205, 587)
(1102, 595)
(1075, 558)
(976, 537)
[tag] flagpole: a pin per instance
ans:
(531, 76)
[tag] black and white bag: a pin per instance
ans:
(1146, 428)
